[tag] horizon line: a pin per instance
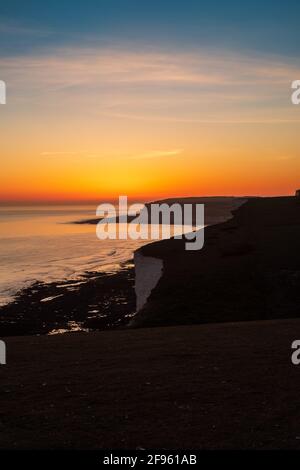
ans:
(73, 202)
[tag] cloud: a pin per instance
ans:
(284, 158)
(158, 154)
(141, 156)
(171, 119)
(68, 67)
(79, 154)
(200, 86)
(57, 154)
(14, 28)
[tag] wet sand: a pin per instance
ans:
(218, 386)
(97, 301)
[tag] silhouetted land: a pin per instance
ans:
(214, 386)
(217, 208)
(223, 385)
(249, 269)
(99, 301)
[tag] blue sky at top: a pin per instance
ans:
(269, 26)
(114, 84)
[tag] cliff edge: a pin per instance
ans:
(249, 269)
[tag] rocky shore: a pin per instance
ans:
(97, 301)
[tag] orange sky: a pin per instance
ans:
(94, 124)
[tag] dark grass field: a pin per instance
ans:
(219, 386)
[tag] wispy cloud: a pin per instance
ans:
(201, 86)
(66, 67)
(57, 154)
(158, 154)
(140, 156)
(62, 153)
(284, 158)
(13, 28)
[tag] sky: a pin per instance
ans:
(148, 99)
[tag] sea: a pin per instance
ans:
(41, 243)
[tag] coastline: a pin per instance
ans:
(221, 384)
(95, 301)
(248, 269)
(98, 301)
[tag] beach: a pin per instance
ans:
(56, 276)
(203, 365)
(98, 301)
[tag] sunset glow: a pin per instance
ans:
(91, 122)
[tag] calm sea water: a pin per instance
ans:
(40, 244)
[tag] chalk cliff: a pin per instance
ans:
(148, 271)
(248, 269)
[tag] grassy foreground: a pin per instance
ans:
(212, 386)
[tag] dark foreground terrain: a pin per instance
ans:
(248, 269)
(216, 386)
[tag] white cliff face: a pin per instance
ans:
(148, 271)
